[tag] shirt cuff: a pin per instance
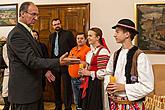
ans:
(93, 74)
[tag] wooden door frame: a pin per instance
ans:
(72, 4)
(86, 16)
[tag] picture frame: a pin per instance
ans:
(150, 22)
(8, 14)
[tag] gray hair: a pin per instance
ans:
(24, 7)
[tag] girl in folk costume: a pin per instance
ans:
(132, 70)
(97, 59)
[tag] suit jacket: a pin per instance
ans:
(45, 55)
(25, 66)
(44, 50)
(66, 42)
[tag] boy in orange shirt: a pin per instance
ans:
(79, 52)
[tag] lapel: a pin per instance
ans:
(53, 39)
(34, 43)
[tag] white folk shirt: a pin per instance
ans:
(93, 51)
(145, 76)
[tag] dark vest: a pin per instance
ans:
(131, 72)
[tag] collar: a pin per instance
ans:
(94, 48)
(26, 26)
(78, 49)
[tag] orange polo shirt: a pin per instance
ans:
(78, 53)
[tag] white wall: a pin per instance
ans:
(104, 14)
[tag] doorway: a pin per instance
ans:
(74, 17)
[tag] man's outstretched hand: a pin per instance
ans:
(64, 60)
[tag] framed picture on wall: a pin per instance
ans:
(150, 20)
(8, 14)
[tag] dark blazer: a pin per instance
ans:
(44, 50)
(25, 66)
(45, 55)
(66, 42)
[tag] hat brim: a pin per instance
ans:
(114, 27)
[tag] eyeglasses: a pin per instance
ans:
(56, 24)
(32, 14)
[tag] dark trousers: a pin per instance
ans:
(7, 103)
(67, 90)
(38, 105)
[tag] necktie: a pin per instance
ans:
(31, 32)
(56, 47)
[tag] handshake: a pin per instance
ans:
(64, 60)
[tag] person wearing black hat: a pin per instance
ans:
(132, 71)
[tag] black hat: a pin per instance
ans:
(127, 23)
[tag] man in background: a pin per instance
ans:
(61, 41)
(45, 55)
(4, 65)
(79, 52)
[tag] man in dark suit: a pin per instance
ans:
(45, 55)
(61, 41)
(26, 62)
